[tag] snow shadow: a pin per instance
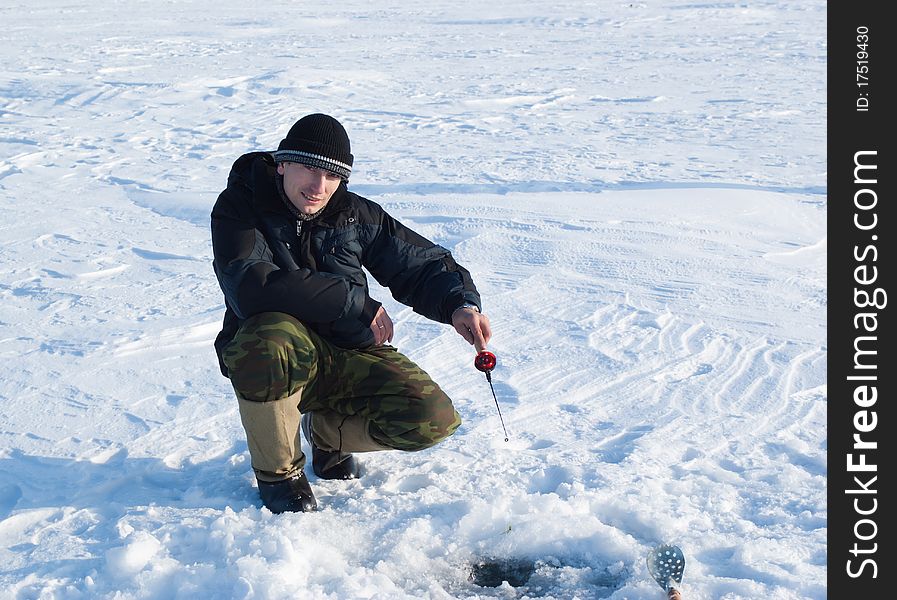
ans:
(194, 208)
(121, 483)
(503, 188)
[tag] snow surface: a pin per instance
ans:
(638, 189)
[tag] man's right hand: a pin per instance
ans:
(473, 327)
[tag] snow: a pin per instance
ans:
(638, 189)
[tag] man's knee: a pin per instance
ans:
(421, 425)
(270, 357)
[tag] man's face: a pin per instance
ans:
(308, 188)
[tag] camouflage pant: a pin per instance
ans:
(372, 399)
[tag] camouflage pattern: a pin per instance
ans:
(274, 356)
(271, 357)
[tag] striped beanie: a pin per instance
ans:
(318, 141)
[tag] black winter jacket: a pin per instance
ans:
(267, 260)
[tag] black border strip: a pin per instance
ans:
(861, 369)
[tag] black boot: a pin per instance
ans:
(289, 495)
(329, 465)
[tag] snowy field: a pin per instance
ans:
(638, 189)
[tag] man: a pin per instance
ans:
(304, 345)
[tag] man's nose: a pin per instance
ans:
(318, 182)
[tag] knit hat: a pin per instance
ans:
(318, 141)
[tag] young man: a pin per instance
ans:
(304, 345)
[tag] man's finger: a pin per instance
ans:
(479, 340)
(465, 332)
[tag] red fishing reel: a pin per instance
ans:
(485, 361)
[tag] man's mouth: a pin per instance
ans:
(311, 198)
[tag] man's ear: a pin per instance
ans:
(280, 168)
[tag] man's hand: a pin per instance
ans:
(473, 327)
(382, 327)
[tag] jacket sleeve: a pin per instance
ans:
(252, 282)
(418, 272)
